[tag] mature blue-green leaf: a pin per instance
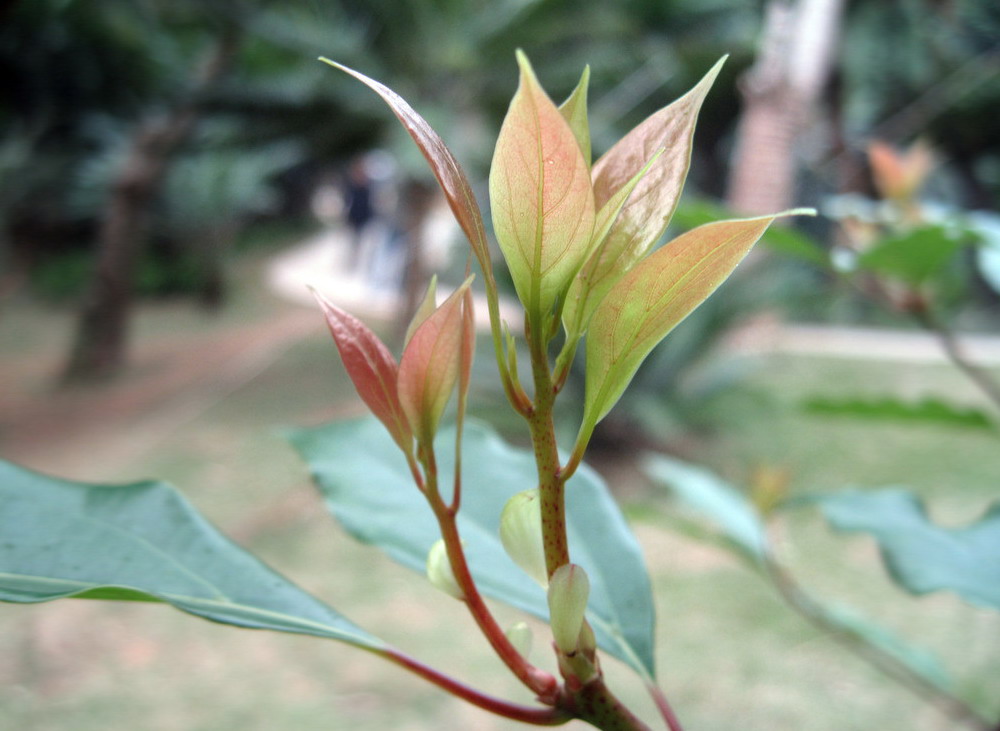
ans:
(921, 556)
(144, 542)
(712, 499)
(367, 486)
(853, 626)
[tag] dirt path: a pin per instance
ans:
(174, 378)
(169, 383)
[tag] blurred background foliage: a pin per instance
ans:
(80, 77)
(246, 126)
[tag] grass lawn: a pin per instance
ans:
(731, 655)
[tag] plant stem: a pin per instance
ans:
(551, 484)
(526, 714)
(953, 349)
(539, 681)
(596, 705)
(660, 698)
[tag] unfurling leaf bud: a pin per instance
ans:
(521, 534)
(439, 570)
(521, 636)
(424, 310)
(371, 368)
(431, 364)
(569, 589)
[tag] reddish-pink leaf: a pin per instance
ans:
(430, 366)
(371, 368)
(541, 196)
(445, 167)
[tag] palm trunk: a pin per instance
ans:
(780, 93)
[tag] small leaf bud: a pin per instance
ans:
(521, 637)
(521, 534)
(569, 589)
(439, 570)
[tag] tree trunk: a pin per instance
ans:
(779, 95)
(102, 331)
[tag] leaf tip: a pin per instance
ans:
(524, 64)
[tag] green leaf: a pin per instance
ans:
(890, 408)
(652, 298)
(367, 486)
(921, 556)
(541, 196)
(574, 111)
(915, 256)
(782, 240)
(647, 213)
(144, 542)
(714, 500)
(594, 280)
(424, 310)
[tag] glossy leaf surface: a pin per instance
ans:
(921, 556)
(541, 197)
(144, 542)
(367, 486)
(445, 167)
(649, 301)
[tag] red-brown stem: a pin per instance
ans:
(660, 698)
(526, 714)
(539, 681)
(596, 705)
